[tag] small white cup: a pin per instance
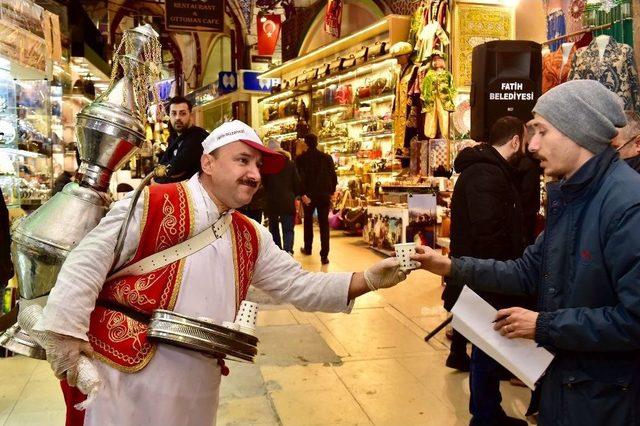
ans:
(231, 325)
(403, 251)
(247, 317)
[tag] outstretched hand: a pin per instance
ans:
(432, 261)
(384, 274)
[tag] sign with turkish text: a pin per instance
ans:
(268, 34)
(333, 18)
(510, 96)
(201, 15)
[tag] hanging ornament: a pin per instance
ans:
(576, 9)
(289, 8)
(607, 5)
(245, 5)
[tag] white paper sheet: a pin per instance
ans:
(473, 318)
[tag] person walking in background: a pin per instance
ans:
(319, 181)
(255, 209)
(627, 143)
(281, 190)
(184, 147)
(487, 223)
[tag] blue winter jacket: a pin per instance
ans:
(585, 270)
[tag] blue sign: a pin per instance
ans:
(227, 82)
(251, 81)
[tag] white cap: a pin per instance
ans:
(236, 130)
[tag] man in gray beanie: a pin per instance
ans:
(584, 268)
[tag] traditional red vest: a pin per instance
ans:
(118, 330)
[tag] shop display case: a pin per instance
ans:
(352, 116)
(26, 168)
(282, 114)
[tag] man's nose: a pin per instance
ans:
(254, 172)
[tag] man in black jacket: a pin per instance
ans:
(319, 181)
(282, 189)
(185, 143)
(486, 222)
(627, 143)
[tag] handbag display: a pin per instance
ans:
(282, 109)
(349, 62)
(330, 94)
(318, 98)
(364, 91)
(377, 49)
(335, 65)
(344, 94)
(378, 86)
(362, 55)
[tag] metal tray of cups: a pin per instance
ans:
(202, 336)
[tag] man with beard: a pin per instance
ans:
(627, 143)
(486, 222)
(584, 267)
(184, 147)
(148, 384)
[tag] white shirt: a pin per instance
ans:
(178, 386)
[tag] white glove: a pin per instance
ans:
(384, 274)
(63, 353)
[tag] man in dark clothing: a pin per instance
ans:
(282, 189)
(585, 266)
(627, 143)
(319, 181)
(529, 172)
(486, 222)
(185, 143)
(255, 208)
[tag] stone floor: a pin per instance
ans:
(371, 367)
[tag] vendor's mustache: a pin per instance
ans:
(249, 182)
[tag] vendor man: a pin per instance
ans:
(148, 384)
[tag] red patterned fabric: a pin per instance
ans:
(246, 245)
(118, 339)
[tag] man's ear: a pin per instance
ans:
(636, 142)
(206, 163)
(515, 142)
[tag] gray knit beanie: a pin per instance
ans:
(585, 111)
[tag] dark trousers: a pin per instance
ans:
(323, 221)
(458, 344)
(286, 220)
(484, 384)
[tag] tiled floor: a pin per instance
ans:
(371, 367)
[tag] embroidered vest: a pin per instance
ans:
(118, 324)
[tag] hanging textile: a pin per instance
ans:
(402, 104)
(620, 15)
(554, 70)
(333, 18)
(556, 27)
(617, 70)
(438, 94)
(435, 32)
